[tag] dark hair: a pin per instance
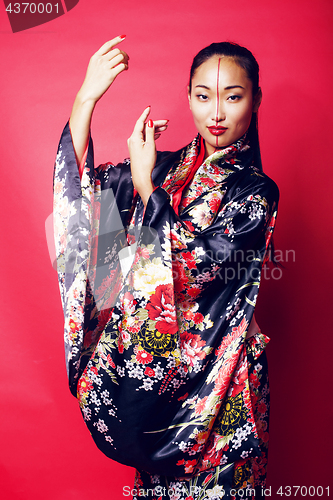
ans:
(246, 60)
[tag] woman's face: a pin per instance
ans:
(221, 102)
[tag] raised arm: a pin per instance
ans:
(104, 66)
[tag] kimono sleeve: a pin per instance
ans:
(77, 225)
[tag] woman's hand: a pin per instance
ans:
(104, 66)
(142, 151)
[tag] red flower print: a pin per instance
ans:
(128, 303)
(182, 398)
(110, 361)
(189, 225)
(143, 357)
(198, 318)
(106, 284)
(175, 241)
(73, 325)
(189, 464)
(149, 372)
(191, 346)
(84, 385)
(179, 276)
(208, 181)
(214, 203)
(200, 406)
(161, 307)
(202, 437)
(226, 342)
(262, 408)
(141, 253)
(235, 334)
(188, 315)
(254, 399)
(241, 328)
(120, 345)
(194, 291)
(189, 260)
(224, 375)
(254, 380)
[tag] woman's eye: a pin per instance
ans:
(234, 98)
(202, 97)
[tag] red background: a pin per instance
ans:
(46, 451)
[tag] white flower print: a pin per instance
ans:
(176, 383)
(86, 413)
(183, 446)
(121, 371)
(147, 384)
(159, 372)
(255, 211)
(101, 426)
(137, 372)
(215, 493)
(94, 399)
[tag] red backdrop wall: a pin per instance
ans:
(46, 452)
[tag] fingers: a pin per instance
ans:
(119, 68)
(107, 46)
(140, 124)
(161, 123)
(150, 132)
(122, 57)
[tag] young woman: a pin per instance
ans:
(159, 262)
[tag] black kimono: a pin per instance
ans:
(157, 306)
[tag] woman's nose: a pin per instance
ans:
(219, 111)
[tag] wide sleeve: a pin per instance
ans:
(79, 232)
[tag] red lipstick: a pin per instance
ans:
(216, 130)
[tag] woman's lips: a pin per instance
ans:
(217, 130)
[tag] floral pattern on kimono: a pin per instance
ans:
(156, 356)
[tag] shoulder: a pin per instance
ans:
(251, 181)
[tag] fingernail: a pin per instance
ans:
(122, 36)
(150, 123)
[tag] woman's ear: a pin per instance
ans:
(189, 97)
(257, 101)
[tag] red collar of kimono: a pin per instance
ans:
(179, 178)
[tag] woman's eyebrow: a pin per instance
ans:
(225, 88)
(233, 87)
